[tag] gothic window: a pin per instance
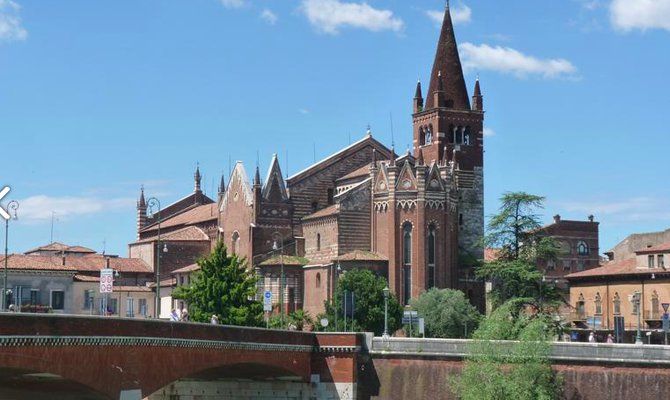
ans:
(566, 265)
(466, 136)
(617, 303)
(452, 134)
(422, 137)
(318, 279)
(235, 242)
(407, 261)
(582, 248)
(459, 135)
(599, 304)
(431, 256)
(429, 135)
(318, 242)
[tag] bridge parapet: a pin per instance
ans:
(563, 352)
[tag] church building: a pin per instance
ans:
(415, 219)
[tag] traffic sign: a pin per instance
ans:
(3, 193)
(665, 307)
(267, 301)
(410, 317)
(324, 322)
(106, 280)
(666, 322)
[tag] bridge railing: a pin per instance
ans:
(560, 351)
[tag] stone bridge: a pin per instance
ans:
(74, 357)
(119, 358)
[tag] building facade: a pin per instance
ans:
(414, 218)
(599, 295)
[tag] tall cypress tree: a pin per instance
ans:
(224, 286)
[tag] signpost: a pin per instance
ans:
(106, 286)
(666, 325)
(410, 318)
(267, 306)
(422, 328)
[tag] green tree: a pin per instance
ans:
(300, 319)
(447, 313)
(514, 231)
(224, 286)
(509, 358)
(368, 291)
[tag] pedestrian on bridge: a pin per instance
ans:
(184, 314)
(214, 320)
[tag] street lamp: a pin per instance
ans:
(154, 202)
(636, 300)
(282, 282)
(12, 206)
(386, 312)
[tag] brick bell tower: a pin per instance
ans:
(447, 129)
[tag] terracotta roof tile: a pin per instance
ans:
(286, 260)
(56, 246)
(361, 255)
(187, 234)
(91, 263)
(616, 268)
(655, 249)
(326, 212)
(188, 268)
(203, 213)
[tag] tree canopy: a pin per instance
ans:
(224, 286)
(368, 290)
(520, 246)
(447, 313)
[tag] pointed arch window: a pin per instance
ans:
(422, 137)
(235, 242)
(617, 303)
(431, 255)
(466, 136)
(318, 242)
(407, 261)
(582, 248)
(429, 135)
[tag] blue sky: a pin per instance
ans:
(97, 98)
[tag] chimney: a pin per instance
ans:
(557, 218)
(591, 218)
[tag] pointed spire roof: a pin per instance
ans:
(141, 202)
(222, 184)
(478, 90)
(257, 177)
(418, 94)
(448, 63)
(197, 177)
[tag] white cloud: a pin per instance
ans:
(636, 209)
(489, 132)
(628, 15)
(268, 16)
(303, 111)
(511, 61)
(461, 14)
(328, 16)
(10, 22)
(233, 3)
(39, 208)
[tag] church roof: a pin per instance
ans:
(186, 234)
(326, 212)
(193, 215)
(368, 140)
(60, 247)
(363, 171)
(193, 200)
(361, 255)
(448, 64)
(286, 260)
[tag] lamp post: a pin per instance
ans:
(386, 312)
(637, 299)
(151, 203)
(12, 206)
(282, 283)
(338, 271)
